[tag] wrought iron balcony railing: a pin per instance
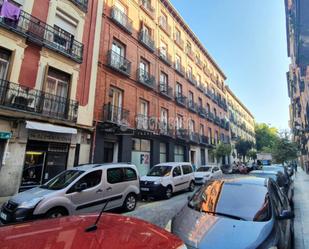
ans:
(180, 69)
(146, 78)
(200, 87)
(25, 99)
(165, 90)
(121, 19)
(181, 100)
(144, 122)
(164, 25)
(210, 116)
(43, 34)
(82, 4)
(202, 112)
(182, 134)
(194, 137)
(204, 140)
(217, 120)
(119, 63)
(166, 130)
(165, 57)
(207, 93)
(147, 41)
(191, 78)
(146, 6)
(116, 115)
(192, 106)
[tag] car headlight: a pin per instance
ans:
(157, 182)
(182, 247)
(30, 204)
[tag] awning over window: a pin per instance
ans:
(50, 127)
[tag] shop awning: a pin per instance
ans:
(50, 127)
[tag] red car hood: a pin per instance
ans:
(114, 232)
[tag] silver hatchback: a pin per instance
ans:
(79, 190)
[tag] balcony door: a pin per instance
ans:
(122, 11)
(56, 93)
(4, 63)
(164, 120)
(142, 122)
(117, 56)
(178, 90)
(116, 105)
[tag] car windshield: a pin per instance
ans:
(203, 169)
(234, 200)
(62, 180)
(160, 171)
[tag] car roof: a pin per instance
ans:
(173, 164)
(87, 167)
(249, 180)
(264, 172)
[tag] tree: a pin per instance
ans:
(284, 150)
(222, 150)
(243, 147)
(252, 154)
(265, 136)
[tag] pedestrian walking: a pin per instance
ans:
(295, 168)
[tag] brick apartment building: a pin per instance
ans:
(160, 95)
(47, 87)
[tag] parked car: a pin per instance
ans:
(281, 179)
(226, 169)
(113, 231)
(167, 178)
(74, 191)
(205, 173)
(237, 213)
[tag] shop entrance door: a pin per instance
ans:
(108, 152)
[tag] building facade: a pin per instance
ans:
(241, 121)
(297, 24)
(48, 72)
(160, 95)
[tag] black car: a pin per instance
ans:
(238, 213)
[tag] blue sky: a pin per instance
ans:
(248, 41)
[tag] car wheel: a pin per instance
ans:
(56, 213)
(191, 186)
(168, 192)
(130, 202)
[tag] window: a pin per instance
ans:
(215, 112)
(5, 56)
(179, 153)
(177, 171)
(92, 179)
(190, 72)
(146, 31)
(177, 62)
(164, 119)
(189, 47)
(163, 79)
(191, 97)
(177, 35)
(200, 102)
(163, 20)
(186, 169)
(179, 122)
(210, 133)
(163, 153)
(129, 174)
(115, 175)
(216, 136)
(222, 137)
(199, 79)
(208, 108)
(178, 90)
(118, 48)
(191, 126)
(202, 129)
(142, 118)
(115, 99)
(163, 49)
(144, 107)
(144, 67)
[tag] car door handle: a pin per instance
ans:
(110, 188)
(99, 191)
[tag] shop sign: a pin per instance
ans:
(49, 136)
(142, 161)
(5, 135)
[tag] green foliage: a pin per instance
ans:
(243, 147)
(284, 150)
(252, 154)
(266, 137)
(222, 150)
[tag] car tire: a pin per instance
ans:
(191, 186)
(168, 192)
(56, 213)
(130, 202)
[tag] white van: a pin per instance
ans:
(167, 178)
(78, 190)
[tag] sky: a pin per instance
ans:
(247, 39)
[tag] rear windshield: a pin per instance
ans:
(265, 175)
(62, 180)
(246, 201)
(203, 169)
(160, 171)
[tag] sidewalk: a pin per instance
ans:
(301, 208)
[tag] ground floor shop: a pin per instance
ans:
(34, 152)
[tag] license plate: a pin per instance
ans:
(3, 216)
(145, 189)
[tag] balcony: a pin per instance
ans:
(202, 112)
(165, 57)
(180, 69)
(166, 130)
(82, 4)
(190, 53)
(116, 115)
(121, 19)
(147, 41)
(164, 25)
(182, 134)
(217, 120)
(165, 90)
(204, 140)
(181, 100)
(214, 98)
(191, 78)
(147, 7)
(207, 93)
(179, 42)
(210, 116)
(119, 63)
(25, 99)
(192, 106)
(200, 87)
(43, 34)
(194, 137)
(146, 78)
(199, 63)
(145, 123)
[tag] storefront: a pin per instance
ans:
(141, 155)
(179, 153)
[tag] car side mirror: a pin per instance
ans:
(81, 187)
(286, 215)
